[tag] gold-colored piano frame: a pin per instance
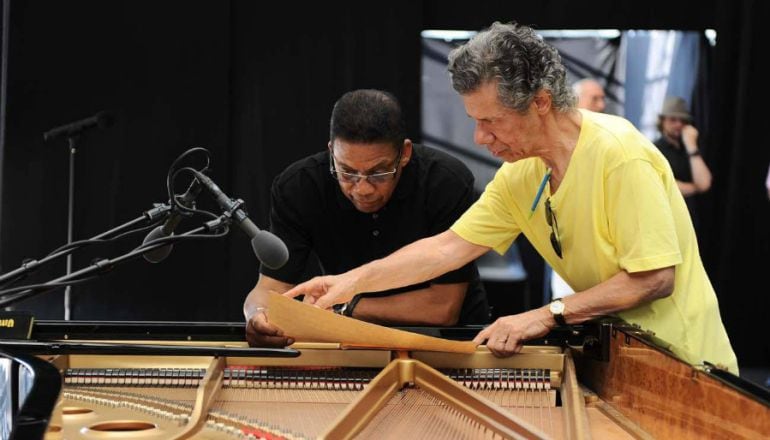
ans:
(400, 369)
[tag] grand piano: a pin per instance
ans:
(164, 380)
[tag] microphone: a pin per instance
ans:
(270, 250)
(167, 228)
(101, 120)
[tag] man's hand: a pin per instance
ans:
(690, 138)
(325, 291)
(261, 333)
(507, 335)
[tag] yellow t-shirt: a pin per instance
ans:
(617, 208)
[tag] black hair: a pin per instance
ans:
(368, 116)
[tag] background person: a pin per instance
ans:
(678, 142)
(590, 95)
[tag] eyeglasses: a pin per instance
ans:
(354, 178)
(550, 217)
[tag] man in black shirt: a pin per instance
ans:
(679, 143)
(372, 192)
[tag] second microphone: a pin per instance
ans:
(269, 249)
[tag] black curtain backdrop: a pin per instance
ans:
(256, 88)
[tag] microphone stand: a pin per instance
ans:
(107, 264)
(149, 216)
(72, 131)
(70, 221)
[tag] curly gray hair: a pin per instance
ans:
(518, 60)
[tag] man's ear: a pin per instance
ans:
(406, 152)
(542, 102)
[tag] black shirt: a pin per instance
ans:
(678, 159)
(313, 217)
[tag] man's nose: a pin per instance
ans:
(482, 136)
(363, 186)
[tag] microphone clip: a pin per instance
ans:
(158, 211)
(220, 223)
(235, 211)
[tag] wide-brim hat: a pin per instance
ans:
(675, 107)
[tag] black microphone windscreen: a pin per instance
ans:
(158, 254)
(270, 250)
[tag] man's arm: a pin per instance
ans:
(439, 304)
(422, 260)
(260, 332)
(623, 291)
(687, 188)
(701, 175)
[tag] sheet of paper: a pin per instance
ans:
(306, 323)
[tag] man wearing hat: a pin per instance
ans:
(679, 143)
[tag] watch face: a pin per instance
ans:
(557, 307)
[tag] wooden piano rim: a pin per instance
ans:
(684, 412)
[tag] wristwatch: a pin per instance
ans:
(347, 308)
(557, 310)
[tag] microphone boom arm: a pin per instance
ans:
(107, 264)
(149, 216)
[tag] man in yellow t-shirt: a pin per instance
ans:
(595, 198)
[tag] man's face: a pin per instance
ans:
(352, 160)
(592, 97)
(672, 126)
(506, 133)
